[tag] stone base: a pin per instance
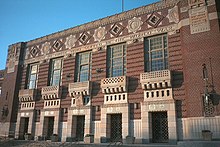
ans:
(89, 139)
(4, 131)
(198, 143)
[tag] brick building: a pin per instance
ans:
(151, 72)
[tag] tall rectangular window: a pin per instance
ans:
(83, 67)
(156, 53)
(116, 60)
(32, 76)
(56, 71)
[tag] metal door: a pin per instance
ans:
(23, 127)
(50, 127)
(80, 128)
(116, 127)
(159, 127)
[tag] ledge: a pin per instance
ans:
(80, 88)
(27, 95)
(156, 79)
(51, 92)
(114, 85)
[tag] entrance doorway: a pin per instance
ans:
(116, 128)
(48, 127)
(23, 127)
(80, 124)
(159, 127)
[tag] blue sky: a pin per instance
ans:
(24, 20)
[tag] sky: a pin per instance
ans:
(24, 20)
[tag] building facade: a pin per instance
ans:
(151, 72)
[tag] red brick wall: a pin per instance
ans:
(197, 49)
(135, 66)
(68, 68)
(98, 61)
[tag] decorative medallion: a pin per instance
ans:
(155, 19)
(34, 51)
(70, 41)
(173, 14)
(134, 25)
(46, 48)
(57, 45)
(116, 29)
(99, 34)
(84, 38)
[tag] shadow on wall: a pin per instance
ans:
(133, 84)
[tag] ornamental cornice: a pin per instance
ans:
(107, 20)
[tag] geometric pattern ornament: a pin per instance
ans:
(116, 29)
(134, 25)
(84, 38)
(57, 45)
(45, 48)
(99, 34)
(34, 51)
(154, 19)
(70, 41)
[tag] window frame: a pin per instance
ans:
(151, 63)
(79, 64)
(111, 59)
(29, 79)
(60, 69)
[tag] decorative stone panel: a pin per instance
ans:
(114, 85)
(116, 98)
(27, 105)
(52, 103)
(80, 88)
(195, 3)
(27, 95)
(155, 79)
(51, 92)
(199, 20)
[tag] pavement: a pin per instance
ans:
(31, 143)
